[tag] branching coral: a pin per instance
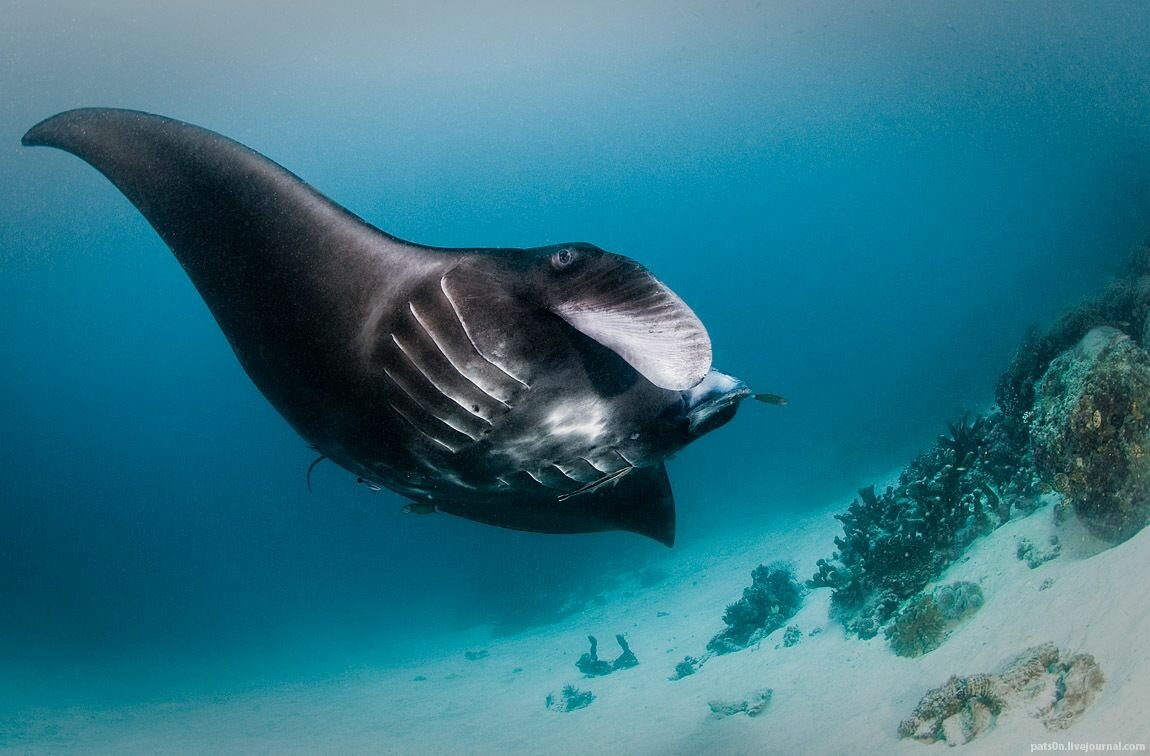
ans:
(895, 543)
(773, 597)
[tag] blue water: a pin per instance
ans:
(866, 203)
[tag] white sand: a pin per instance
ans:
(831, 695)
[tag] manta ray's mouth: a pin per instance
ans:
(712, 403)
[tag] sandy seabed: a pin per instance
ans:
(831, 694)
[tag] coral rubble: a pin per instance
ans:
(1034, 556)
(773, 597)
(1053, 686)
(753, 705)
(1090, 429)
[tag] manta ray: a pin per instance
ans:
(537, 389)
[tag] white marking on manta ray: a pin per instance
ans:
(419, 430)
(566, 474)
(467, 332)
(593, 465)
(411, 396)
(411, 358)
(586, 419)
(568, 468)
(474, 380)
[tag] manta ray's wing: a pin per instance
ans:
(640, 502)
(288, 274)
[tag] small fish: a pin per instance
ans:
(770, 399)
(418, 508)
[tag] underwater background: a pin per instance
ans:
(868, 204)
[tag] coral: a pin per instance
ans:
(625, 660)
(791, 636)
(1090, 430)
(875, 613)
(753, 705)
(1052, 688)
(1125, 305)
(959, 600)
(956, 712)
(689, 666)
(896, 542)
(1020, 672)
(1036, 557)
(918, 628)
(1079, 681)
(592, 666)
(773, 597)
(926, 621)
(571, 699)
(475, 655)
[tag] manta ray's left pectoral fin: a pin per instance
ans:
(640, 502)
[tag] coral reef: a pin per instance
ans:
(896, 542)
(926, 621)
(773, 597)
(1083, 425)
(753, 705)
(1125, 305)
(1090, 431)
(571, 699)
(1034, 556)
(1052, 686)
(592, 666)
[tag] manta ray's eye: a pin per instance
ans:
(563, 258)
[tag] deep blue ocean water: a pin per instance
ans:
(866, 203)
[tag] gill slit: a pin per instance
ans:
(467, 332)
